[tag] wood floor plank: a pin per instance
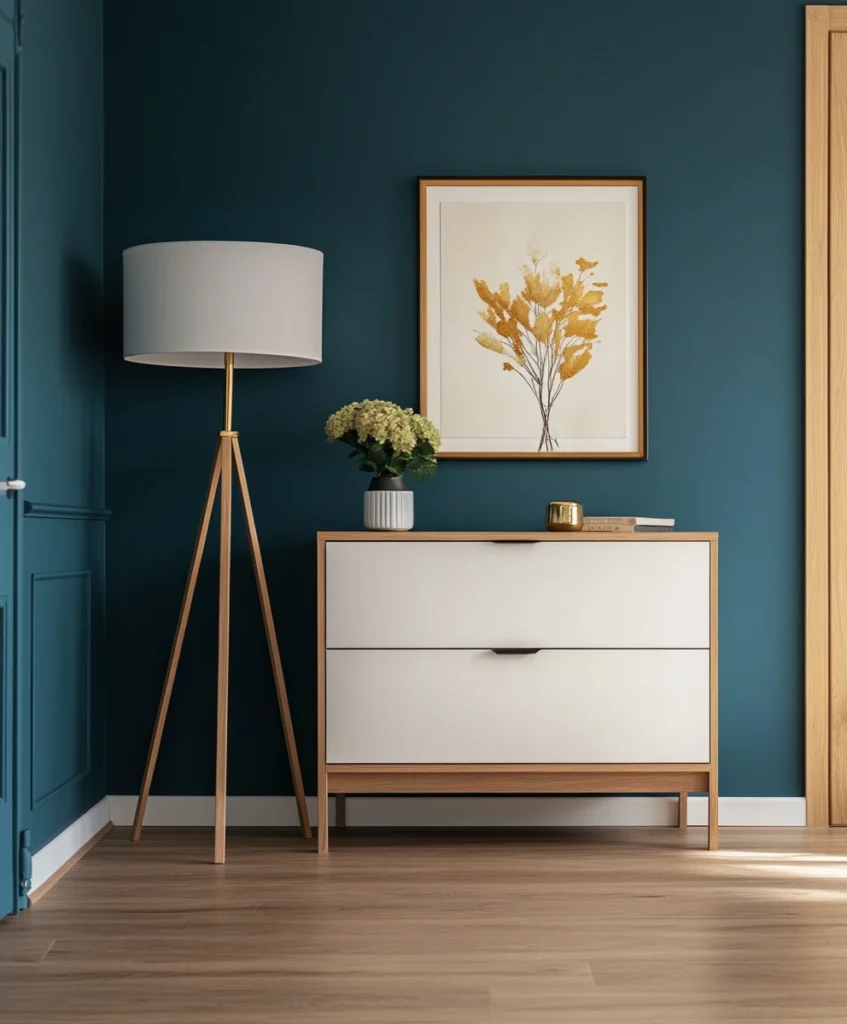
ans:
(635, 926)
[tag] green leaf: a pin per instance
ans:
(424, 471)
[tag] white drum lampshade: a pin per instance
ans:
(188, 303)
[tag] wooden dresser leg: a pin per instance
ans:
(340, 811)
(323, 814)
(713, 812)
(682, 819)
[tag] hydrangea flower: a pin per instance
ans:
(391, 440)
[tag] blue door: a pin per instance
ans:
(52, 536)
(11, 897)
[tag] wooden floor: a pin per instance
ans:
(616, 926)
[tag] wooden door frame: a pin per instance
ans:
(826, 430)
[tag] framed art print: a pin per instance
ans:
(533, 316)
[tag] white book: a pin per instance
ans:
(629, 521)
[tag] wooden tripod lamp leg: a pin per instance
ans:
(176, 649)
(273, 646)
(227, 442)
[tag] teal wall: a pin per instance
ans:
(309, 123)
(61, 412)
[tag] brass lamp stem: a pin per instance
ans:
(229, 365)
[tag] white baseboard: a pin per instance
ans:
(53, 857)
(467, 811)
(415, 812)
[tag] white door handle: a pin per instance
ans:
(12, 485)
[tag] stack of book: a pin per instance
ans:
(626, 524)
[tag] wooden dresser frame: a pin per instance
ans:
(343, 779)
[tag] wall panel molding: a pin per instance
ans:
(55, 700)
(46, 510)
(6, 699)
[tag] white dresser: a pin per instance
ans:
(517, 663)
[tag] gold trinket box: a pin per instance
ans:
(564, 515)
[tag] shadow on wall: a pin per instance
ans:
(82, 305)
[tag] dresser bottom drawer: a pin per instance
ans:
(553, 707)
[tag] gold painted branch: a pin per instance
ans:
(547, 332)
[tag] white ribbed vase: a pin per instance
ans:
(389, 504)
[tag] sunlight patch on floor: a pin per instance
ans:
(811, 871)
(806, 858)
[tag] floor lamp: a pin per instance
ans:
(224, 305)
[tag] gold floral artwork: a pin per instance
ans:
(547, 332)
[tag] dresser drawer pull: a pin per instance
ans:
(518, 540)
(515, 650)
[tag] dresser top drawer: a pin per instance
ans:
(532, 537)
(484, 594)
